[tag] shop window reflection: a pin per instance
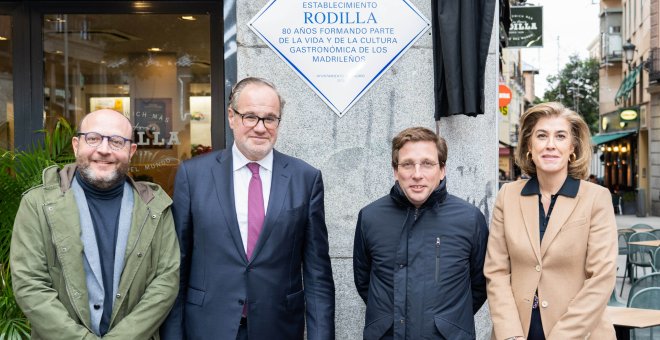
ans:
(6, 85)
(153, 68)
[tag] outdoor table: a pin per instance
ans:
(652, 243)
(636, 230)
(625, 319)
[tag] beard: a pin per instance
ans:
(102, 182)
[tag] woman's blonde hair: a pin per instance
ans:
(578, 166)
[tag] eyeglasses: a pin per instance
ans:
(94, 139)
(250, 120)
(423, 165)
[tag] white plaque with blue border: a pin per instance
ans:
(339, 48)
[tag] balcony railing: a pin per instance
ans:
(653, 65)
(611, 47)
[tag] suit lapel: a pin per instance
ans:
(223, 177)
(563, 208)
(529, 206)
(278, 193)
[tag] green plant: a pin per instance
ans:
(19, 171)
(629, 196)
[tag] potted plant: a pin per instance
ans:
(629, 203)
(19, 171)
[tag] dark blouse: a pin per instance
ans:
(568, 189)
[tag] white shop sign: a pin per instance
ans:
(339, 48)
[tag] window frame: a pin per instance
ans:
(27, 18)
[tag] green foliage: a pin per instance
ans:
(576, 86)
(629, 196)
(19, 171)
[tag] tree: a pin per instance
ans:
(576, 86)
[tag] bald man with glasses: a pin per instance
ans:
(94, 254)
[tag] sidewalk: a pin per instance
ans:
(627, 221)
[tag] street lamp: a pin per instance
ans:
(628, 52)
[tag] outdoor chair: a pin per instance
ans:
(656, 232)
(638, 256)
(646, 281)
(642, 226)
(623, 247)
(614, 302)
(656, 260)
(647, 298)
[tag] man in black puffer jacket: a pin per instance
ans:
(419, 252)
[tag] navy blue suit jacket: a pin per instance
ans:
(216, 276)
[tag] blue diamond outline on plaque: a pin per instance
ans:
(339, 111)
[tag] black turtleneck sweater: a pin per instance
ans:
(104, 208)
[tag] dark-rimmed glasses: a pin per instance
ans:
(94, 139)
(250, 120)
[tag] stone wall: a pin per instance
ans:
(353, 152)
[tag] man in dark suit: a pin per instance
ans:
(251, 225)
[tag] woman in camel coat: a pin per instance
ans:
(551, 259)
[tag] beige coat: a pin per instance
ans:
(574, 269)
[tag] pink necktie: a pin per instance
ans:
(255, 209)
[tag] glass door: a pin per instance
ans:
(153, 68)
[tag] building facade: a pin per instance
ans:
(166, 66)
(518, 77)
(652, 63)
(623, 141)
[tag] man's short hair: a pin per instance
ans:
(418, 134)
(238, 87)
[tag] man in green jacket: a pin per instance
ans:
(93, 253)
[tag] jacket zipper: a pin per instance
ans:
(437, 260)
(416, 213)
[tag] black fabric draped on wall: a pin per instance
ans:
(461, 34)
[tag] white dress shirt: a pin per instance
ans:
(242, 176)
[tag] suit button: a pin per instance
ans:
(97, 307)
(544, 304)
(118, 296)
(241, 302)
(401, 266)
(538, 268)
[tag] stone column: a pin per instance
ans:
(354, 153)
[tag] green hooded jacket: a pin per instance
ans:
(46, 260)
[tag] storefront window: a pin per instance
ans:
(6, 86)
(619, 159)
(153, 68)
